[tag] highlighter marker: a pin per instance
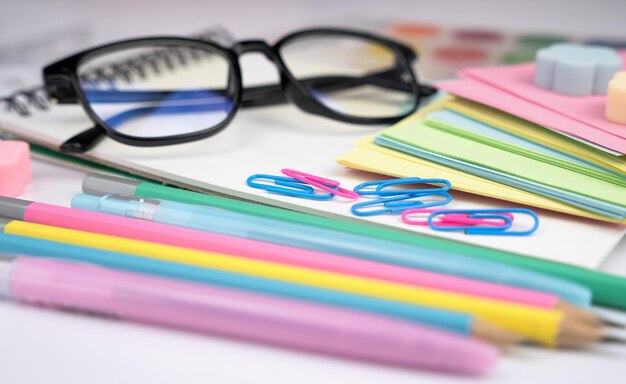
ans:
(240, 315)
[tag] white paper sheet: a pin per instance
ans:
(264, 140)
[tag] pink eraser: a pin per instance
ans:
(15, 172)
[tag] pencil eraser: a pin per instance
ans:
(616, 99)
(15, 170)
(576, 70)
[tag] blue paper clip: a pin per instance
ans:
(397, 204)
(485, 214)
(380, 189)
(360, 189)
(286, 186)
(381, 185)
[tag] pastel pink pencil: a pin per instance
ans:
(207, 241)
(242, 315)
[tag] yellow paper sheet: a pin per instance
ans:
(370, 157)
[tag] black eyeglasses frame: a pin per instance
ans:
(62, 83)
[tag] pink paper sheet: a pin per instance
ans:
(518, 80)
(488, 95)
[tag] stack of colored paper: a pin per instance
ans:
(503, 137)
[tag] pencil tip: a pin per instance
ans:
(612, 323)
(614, 339)
(580, 314)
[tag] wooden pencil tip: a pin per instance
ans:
(579, 314)
(577, 334)
(495, 335)
(587, 316)
(613, 335)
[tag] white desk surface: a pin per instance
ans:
(44, 346)
(39, 345)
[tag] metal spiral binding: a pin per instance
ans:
(21, 100)
(157, 62)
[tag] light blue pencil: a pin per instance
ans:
(325, 240)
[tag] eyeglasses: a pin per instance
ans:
(171, 90)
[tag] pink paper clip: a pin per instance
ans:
(321, 183)
(451, 219)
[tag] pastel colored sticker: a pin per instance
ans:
(522, 55)
(540, 40)
(478, 36)
(415, 31)
(616, 99)
(460, 55)
(576, 70)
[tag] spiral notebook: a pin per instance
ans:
(264, 140)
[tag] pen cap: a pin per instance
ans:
(128, 206)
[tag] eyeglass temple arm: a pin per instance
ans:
(87, 139)
(83, 141)
(274, 94)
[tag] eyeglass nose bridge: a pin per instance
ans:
(283, 91)
(260, 46)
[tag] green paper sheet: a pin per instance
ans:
(435, 140)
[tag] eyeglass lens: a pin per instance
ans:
(353, 76)
(158, 91)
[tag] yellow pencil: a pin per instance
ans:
(537, 324)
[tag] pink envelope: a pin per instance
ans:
(518, 80)
(489, 95)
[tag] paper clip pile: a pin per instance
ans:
(300, 184)
(398, 200)
(472, 221)
(386, 198)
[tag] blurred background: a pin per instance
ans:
(112, 19)
(33, 32)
